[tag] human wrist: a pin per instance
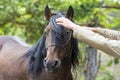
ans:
(97, 30)
(74, 26)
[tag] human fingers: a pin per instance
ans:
(59, 22)
(59, 19)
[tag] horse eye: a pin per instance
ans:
(68, 32)
(46, 33)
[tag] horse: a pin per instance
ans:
(51, 58)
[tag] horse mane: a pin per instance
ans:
(75, 52)
(38, 52)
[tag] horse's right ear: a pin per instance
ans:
(48, 13)
(70, 13)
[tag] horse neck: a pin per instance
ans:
(66, 64)
(66, 69)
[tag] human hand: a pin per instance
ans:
(65, 22)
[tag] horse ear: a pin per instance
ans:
(70, 13)
(48, 13)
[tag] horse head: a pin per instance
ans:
(58, 40)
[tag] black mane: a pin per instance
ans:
(38, 52)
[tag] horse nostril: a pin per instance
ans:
(50, 64)
(55, 63)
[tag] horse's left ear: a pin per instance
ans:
(70, 13)
(48, 13)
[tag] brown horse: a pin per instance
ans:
(51, 58)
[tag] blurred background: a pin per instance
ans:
(25, 19)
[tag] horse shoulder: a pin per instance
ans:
(11, 51)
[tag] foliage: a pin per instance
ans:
(105, 76)
(114, 60)
(25, 18)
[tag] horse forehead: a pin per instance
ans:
(55, 27)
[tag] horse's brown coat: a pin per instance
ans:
(12, 66)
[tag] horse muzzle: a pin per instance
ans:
(51, 65)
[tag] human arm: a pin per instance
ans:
(109, 46)
(112, 34)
